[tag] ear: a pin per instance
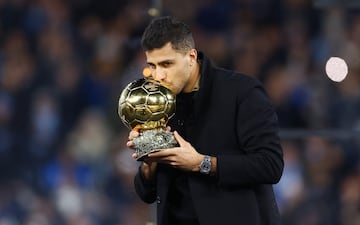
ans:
(193, 55)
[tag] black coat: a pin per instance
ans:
(233, 120)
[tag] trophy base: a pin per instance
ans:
(152, 141)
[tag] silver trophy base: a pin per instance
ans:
(152, 141)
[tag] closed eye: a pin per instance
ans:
(163, 64)
(166, 64)
(151, 66)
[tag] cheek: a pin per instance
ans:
(184, 71)
(178, 82)
(179, 76)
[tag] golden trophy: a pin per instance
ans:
(146, 106)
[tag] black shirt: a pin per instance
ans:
(180, 204)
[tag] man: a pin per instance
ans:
(229, 151)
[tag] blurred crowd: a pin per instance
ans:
(63, 64)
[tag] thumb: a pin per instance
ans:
(179, 139)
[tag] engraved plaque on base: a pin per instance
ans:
(146, 106)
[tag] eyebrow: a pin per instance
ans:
(161, 62)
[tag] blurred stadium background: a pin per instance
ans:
(63, 63)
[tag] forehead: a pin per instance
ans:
(165, 53)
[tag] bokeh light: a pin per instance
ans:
(336, 69)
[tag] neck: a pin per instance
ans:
(194, 83)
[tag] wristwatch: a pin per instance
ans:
(205, 165)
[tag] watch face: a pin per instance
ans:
(205, 166)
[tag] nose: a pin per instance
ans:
(158, 74)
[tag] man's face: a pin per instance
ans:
(172, 69)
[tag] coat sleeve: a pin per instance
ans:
(260, 158)
(146, 190)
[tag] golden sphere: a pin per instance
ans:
(145, 104)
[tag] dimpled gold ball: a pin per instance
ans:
(145, 104)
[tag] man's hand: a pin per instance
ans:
(148, 168)
(133, 134)
(184, 157)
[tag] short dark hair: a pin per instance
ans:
(163, 30)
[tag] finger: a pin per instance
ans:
(162, 153)
(168, 128)
(129, 143)
(133, 134)
(165, 159)
(135, 155)
(179, 139)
